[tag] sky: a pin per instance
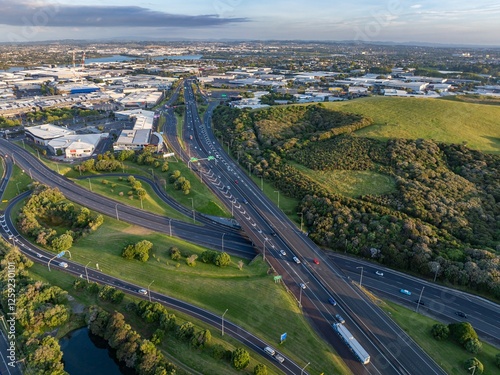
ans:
(425, 21)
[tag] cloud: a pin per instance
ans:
(416, 6)
(21, 13)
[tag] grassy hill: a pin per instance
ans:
(440, 120)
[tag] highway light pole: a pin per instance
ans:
(170, 226)
(264, 252)
(86, 273)
(17, 185)
(192, 208)
(302, 372)
(152, 173)
(222, 320)
(301, 220)
(90, 184)
(31, 176)
(277, 191)
(149, 290)
(116, 209)
(361, 278)
(300, 295)
(223, 234)
(419, 298)
(436, 274)
(261, 184)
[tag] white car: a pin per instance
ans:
(142, 291)
(39, 255)
(379, 273)
(283, 252)
(302, 285)
(296, 260)
(63, 265)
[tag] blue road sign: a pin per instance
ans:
(283, 337)
(61, 254)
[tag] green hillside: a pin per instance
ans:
(440, 120)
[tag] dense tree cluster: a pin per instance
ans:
(442, 220)
(220, 259)
(47, 207)
(131, 349)
(39, 307)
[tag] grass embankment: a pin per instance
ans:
(18, 183)
(449, 355)
(441, 120)
(252, 298)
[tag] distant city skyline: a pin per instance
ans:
(402, 21)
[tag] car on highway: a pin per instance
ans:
(245, 201)
(279, 358)
(142, 291)
(332, 301)
(340, 319)
(296, 260)
(420, 302)
(316, 261)
(302, 285)
(283, 252)
(461, 314)
(39, 255)
(63, 265)
(379, 273)
(405, 291)
(235, 181)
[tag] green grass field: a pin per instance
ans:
(352, 183)
(442, 120)
(252, 298)
(447, 354)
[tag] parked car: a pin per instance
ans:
(405, 291)
(379, 273)
(142, 291)
(461, 314)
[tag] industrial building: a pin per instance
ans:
(76, 146)
(43, 134)
(141, 135)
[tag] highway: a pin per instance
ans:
(208, 235)
(391, 350)
(438, 302)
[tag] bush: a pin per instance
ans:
(175, 253)
(461, 332)
(260, 369)
(474, 365)
(497, 359)
(222, 260)
(473, 346)
(191, 260)
(240, 359)
(218, 351)
(440, 331)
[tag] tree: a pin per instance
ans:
(62, 243)
(191, 260)
(473, 346)
(202, 338)
(240, 359)
(164, 167)
(473, 365)
(158, 336)
(260, 369)
(185, 331)
(440, 331)
(497, 359)
(222, 259)
(175, 253)
(461, 332)
(141, 193)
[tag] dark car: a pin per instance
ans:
(332, 301)
(461, 314)
(420, 302)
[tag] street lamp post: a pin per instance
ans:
(436, 274)
(170, 226)
(90, 183)
(301, 220)
(17, 185)
(249, 170)
(222, 243)
(86, 273)
(300, 296)
(222, 321)
(264, 252)
(149, 290)
(31, 176)
(419, 298)
(152, 173)
(116, 209)
(473, 368)
(302, 372)
(261, 184)
(192, 208)
(277, 191)
(361, 278)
